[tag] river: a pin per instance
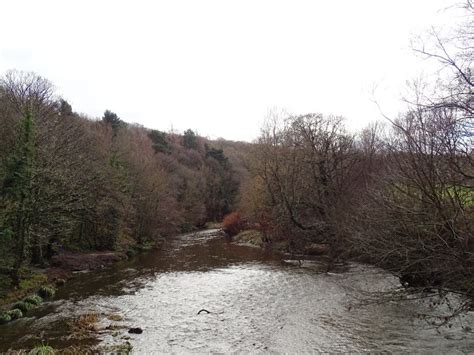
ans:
(258, 303)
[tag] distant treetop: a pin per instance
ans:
(190, 139)
(112, 119)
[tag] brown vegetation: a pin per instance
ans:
(85, 323)
(399, 195)
(232, 223)
(70, 184)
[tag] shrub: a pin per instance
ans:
(46, 292)
(34, 299)
(24, 306)
(5, 318)
(15, 313)
(232, 223)
(42, 350)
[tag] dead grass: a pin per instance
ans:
(213, 225)
(86, 323)
(250, 237)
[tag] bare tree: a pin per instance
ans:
(418, 220)
(309, 165)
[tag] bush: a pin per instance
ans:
(15, 313)
(5, 318)
(34, 299)
(42, 350)
(24, 306)
(232, 223)
(46, 292)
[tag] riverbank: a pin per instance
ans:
(60, 269)
(254, 238)
(64, 265)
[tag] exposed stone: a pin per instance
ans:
(135, 330)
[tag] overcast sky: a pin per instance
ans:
(219, 66)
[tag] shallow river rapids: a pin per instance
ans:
(258, 303)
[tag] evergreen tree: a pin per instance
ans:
(160, 143)
(16, 193)
(112, 119)
(190, 139)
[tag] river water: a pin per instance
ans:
(258, 303)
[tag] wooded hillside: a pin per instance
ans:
(69, 182)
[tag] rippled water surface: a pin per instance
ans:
(257, 303)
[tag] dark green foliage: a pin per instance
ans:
(218, 155)
(16, 192)
(19, 165)
(24, 306)
(6, 235)
(65, 108)
(160, 143)
(222, 186)
(5, 318)
(42, 350)
(15, 313)
(34, 299)
(46, 292)
(190, 139)
(111, 118)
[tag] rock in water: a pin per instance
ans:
(135, 330)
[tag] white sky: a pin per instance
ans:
(219, 66)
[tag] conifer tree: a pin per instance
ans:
(16, 193)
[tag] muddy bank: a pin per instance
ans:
(65, 264)
(86, 261)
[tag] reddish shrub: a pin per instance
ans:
(232, 223)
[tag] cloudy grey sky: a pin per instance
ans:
(219, 66)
